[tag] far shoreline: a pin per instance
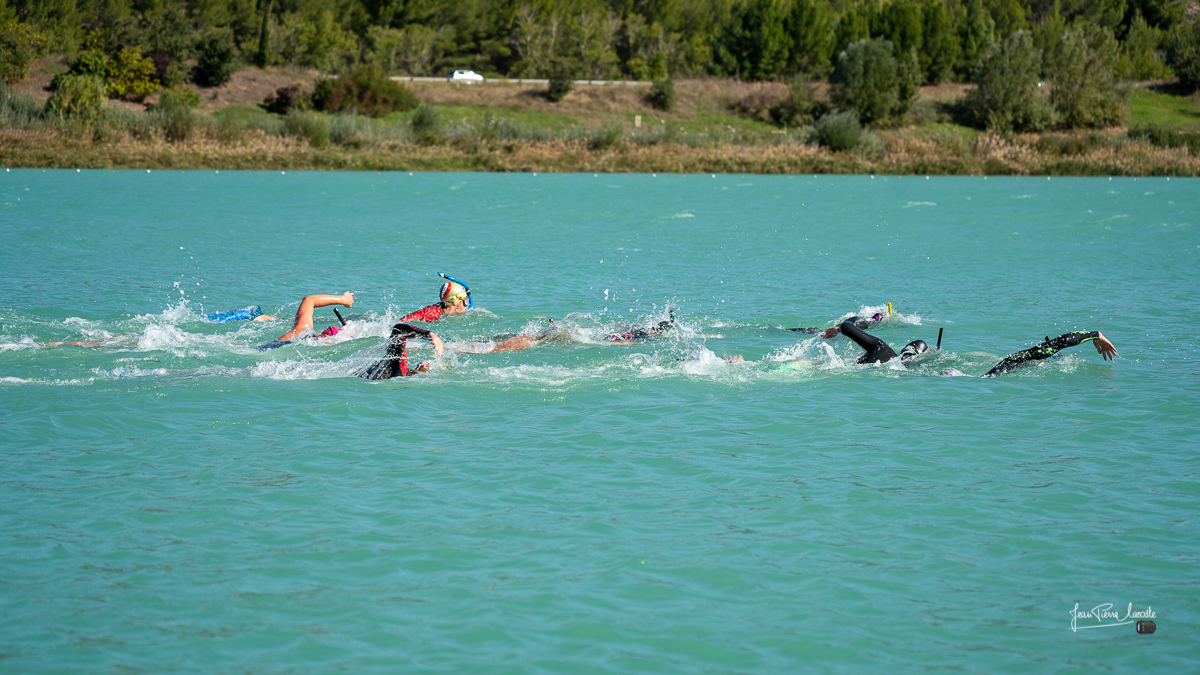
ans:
(900, 153)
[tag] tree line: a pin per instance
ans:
(604, 39)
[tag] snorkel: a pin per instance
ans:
(466, 288)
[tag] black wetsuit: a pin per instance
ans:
(395, 364)
(644, 333)
(857, 321)
(1043, 351)
(878, 351)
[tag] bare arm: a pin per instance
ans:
(304, 313)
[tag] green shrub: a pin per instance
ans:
(176, 117)
(1183, 53)
(662, 94)
(215, 58)
(91, 62)
(426, 125)
(364, 89)
(494, 127)
(78, 96)
(180, 95)
(131, 76)
(349, 130)
(1140, 58)
(561, 81)
(310, 126)
(870, 81)
(18, 109)
(1006, 97)
(608, 137)
(286, 99)
(798, 106)
(19, 45)
(759, 104)
(838, 130)
(1084, 91)
(322, 92)
(168, 31)
(1167, 137)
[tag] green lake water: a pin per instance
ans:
(175, 500)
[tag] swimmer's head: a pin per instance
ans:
(912, 350)
(878, 317)
(331, 331)
(453, 293)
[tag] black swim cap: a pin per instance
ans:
(913, 349)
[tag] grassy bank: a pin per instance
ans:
(895, 153)
(595, 129)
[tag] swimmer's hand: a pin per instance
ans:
(831, 332)
(264, 317)
(736, 358)
(438, 347)
(1105, 348)
(348, 299)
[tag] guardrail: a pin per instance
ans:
(518, 81)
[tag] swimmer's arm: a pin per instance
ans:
(831, 332)
(437, 349)
(263, 317)
(304, 313)
(1104, 347)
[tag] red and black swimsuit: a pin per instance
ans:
(395, 364)
(427, 314)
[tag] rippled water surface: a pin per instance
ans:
(175, 500)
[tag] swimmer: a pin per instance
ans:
(878, 351)
(82, 343)
(1051, 347)
(513, 343)
(454, 298)
(304, 314)
(395, 364)
(635, 335)
(858, 322)
(251, 313)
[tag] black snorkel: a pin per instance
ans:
(339, 316)
(939, 342)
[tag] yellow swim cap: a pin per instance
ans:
(452, 292)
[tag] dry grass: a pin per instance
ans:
(597, 104)
(897, 153)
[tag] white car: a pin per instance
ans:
(464, 76)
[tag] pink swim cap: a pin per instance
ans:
(331, 331)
